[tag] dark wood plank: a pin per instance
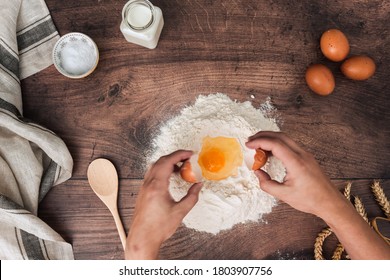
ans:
(81, 218)
(241, 48)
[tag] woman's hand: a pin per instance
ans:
(157, 215)
(308, 189)
(305, 187)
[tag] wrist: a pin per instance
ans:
(336, 210)
(340, 211)
(138, 247)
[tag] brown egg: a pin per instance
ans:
(320, 79)
(334, 45)
(358, 67)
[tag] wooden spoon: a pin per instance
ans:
(103, 179)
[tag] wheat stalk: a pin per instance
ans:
(320, 242)
(338, 252)
(360, 208)
(381, 198)
(347, 190)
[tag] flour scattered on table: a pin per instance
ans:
(222, 204)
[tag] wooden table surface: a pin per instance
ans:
(240, 48)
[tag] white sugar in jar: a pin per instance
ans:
(142, 23)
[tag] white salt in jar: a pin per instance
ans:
(142, 23)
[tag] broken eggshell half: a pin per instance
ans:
(190, 170)
(255, 159)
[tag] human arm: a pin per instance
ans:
(308, 189)
(157, 215)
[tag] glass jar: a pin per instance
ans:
(142, 23)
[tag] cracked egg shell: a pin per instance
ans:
(190, 170)
(255, 159)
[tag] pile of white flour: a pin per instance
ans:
(222, 204)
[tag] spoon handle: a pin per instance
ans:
(119, 226)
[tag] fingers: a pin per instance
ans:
(165, 166)
(268, 185)
(280, 145)
(262, 175)
(278, 135)
(191, 198)
(177, 156)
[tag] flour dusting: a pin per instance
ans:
(222, 204)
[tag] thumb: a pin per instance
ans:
(268, 185)
(190, 199)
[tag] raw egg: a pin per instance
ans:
(358, 67)
(320, 79)
(220, 157)
(334, 45)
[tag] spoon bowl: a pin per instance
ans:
(103, 179)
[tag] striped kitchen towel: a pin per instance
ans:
(32, 158)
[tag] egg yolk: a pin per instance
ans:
(220, 157)
(213, 160)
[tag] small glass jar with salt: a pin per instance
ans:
(142, 23)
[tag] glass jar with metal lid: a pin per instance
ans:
(142, 23)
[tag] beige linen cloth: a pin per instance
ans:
(32, 159)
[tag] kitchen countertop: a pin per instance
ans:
(249, 50)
